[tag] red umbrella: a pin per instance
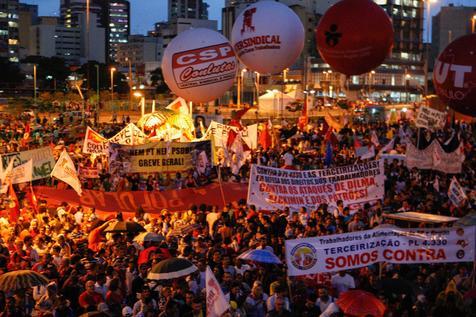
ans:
(359, 303)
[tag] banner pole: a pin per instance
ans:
(221, 187)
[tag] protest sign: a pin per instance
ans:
(217, 304)
(160, 157)
(130, 135)
(88, 172)
(393, 245)
(43, 161)
(456, 193)
(274, 188)
(429, 118)
(152, 202)
(94, 143)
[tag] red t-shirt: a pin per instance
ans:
(86, 299)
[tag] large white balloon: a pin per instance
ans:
(199, 65)
(268, 37)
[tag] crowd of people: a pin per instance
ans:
(91, 270)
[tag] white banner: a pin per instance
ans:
(274, 188)
(94, 143)
(435, 158)
(130, 135)
(43, 161)
(64, 170)
(22, 173)
(217, 304)
(393, 245)
(429, 118)
(456, 193)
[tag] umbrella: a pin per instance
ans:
(21, 279)
(148, 237)
(124, 226)
(184, 230)
(360, 303)
(468, 220)
(171, 268)
(261, 256)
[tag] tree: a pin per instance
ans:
(51, 71)
(10, 72)
(157, 80)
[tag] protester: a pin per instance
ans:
(92, 270)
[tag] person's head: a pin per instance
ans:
(323, 293)
(89, 286)
(196, 305)
(279, 304)
(189, 297)
(227, 278)
(257, 290)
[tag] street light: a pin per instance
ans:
(240, 87)
(473, 24)
(142, 102)
(427, 48)
(257, 87)
(113, 69)
(34, 84)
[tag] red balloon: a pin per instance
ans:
(354, 36)
(454, 75)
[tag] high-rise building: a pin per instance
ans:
(112, 15)
(48, 38)
(27, 16)
(118, 30)
(9, 43)
(400, 78)
(449, 24)
(187, 9)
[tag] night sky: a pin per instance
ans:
(146, 12)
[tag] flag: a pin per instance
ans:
(369, 153)
(357, 143)
(179, 105)
(33, 199)
(328, 158)
(456, 193)
(265, 136)
(216, 301)
(6, 177)
(388, 147)
(14, 206)
(64, 170)
(374, 138)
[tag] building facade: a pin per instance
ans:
(112, 15)
(27, 16)
(49, 38)
(187, 9)
(9, 33)
(449, 24)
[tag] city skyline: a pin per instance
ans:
(146, 12)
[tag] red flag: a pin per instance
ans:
(265, 137)
(33, 199)
(14, 206)
(357, 143)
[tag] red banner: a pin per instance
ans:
(151, 202)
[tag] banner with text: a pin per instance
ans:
(429, 118)
(151, 202)
(160, 157)
(274, 188)
(435, 158)
(43, 161)
(130, 135)
(393, 245)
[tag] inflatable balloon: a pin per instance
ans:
(199, 65)
(268, 37)
(354, 36)
(454, 75)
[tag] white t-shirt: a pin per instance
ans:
(211, 218)
(342, 283)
